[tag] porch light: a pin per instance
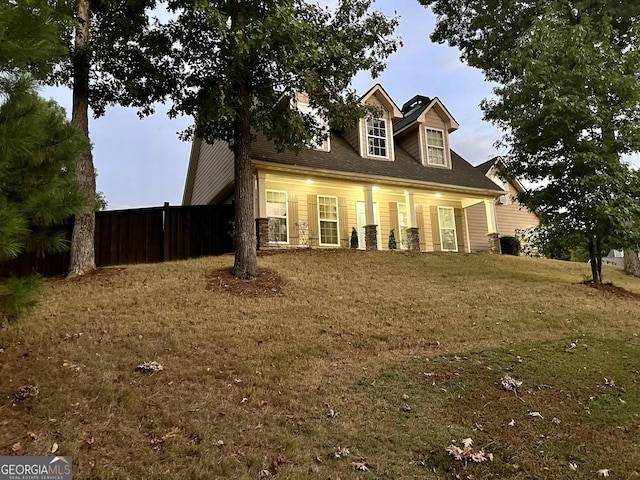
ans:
(309, 181)
(375, 189)
(438, 195)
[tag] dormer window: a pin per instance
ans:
(377, 138)
(435, 148)
(318, 142)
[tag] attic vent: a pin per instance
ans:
(417, 101)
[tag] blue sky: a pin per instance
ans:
(142, 162)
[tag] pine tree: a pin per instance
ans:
(354, 238)
(392, 240)
(38, 147)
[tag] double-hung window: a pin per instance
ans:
(447, 220)
(277, 213)
(435, 147)
(328, 218)
(377, 138)
(403, 224)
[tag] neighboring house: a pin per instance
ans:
(392, 172)
(511, 215)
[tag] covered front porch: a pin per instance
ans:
(315, 209)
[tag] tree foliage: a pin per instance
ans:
(569, 104)
(239, 64)
(38, 147)
(115, 57)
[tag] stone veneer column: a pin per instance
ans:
(413, 239)
(262, 230)
(494, 243)
(371, 237)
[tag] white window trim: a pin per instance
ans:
(386, 138)
(406, 236)
(455, 233)
(336, 221)
(445, 156)
(286, 217)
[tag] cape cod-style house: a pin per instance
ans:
(395, 172)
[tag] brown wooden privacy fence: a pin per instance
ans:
(144, 235)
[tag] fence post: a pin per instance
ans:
(166, 234)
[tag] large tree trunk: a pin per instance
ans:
(82, 247)
(632, 262)
(246, 261)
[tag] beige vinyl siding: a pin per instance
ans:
(460, 230)
(433, 120)
(411, 144)
(215, 172)
(292, 218)
(477, 225)
(513, 217)
(352, 138)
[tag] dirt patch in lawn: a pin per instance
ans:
(268, 284)
(611, 289)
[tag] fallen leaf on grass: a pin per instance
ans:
(361, 466)
(510, 384)
(275, 465)
(512, 423)
(467, 442)
(16, 447)
(150, 367)
(535, 414)
(32, 435)
(26, 391)
(54, 448)
(340, 452)
(171, 433)
(604, 472)
(467, 453)
(573, 466)
(89, 441)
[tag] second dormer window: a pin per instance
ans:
(377, 138)
(435, 147)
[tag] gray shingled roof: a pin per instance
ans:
(486, 166)
(343, 158)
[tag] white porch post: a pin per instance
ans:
(413, 233)
(490, 209)
(368, 205)
(262, 222)
(370, 228)
(411, 209)
(261, 178)
(492, 226)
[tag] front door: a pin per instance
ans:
(362, 219)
